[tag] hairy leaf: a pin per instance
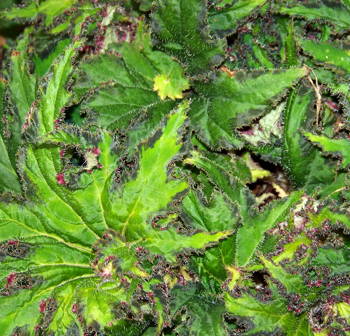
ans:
(335, 259)
(327, 53)
(8, 176)
(150, 191)
(22, 87)
(293, 283)
(333, 11)
(50, 8)
(217, 215)
(22, 84)
(65, 227)
(304, 162)
(226, 20)
(268, 317)
(251, 234)
(131, 96)
(332, 145)
(180, 28)
(56, 96)
(203, 315)
(254, 224)
(226, 103)
(174, 167)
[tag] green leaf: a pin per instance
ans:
(170, 83)
(64, 228)
(216, 215)
(341, 146)
(50, 8)
(289, 249)
(8, 176)
(168, 243)
(203, 315)
(53, 264)
(63, 234)
(215, 266)
(333, 11)
(269, 316)
(327, 53)
(141, 144)
(226, 103)
(180, 26)
(305, 164)
(297, 114)
(26, 12)
(138, 199)
(42, 65)
(259, 53)
(293, 282)
(130, 99)
(168, 87)
(56, 96)
(22, 84)
(289, 52)
(226, 20)
(53, 8)
(164, 72)
(251, 233)
(22, 87)
(254, 224)
(334, 216)
(98, 302)
(220, 174)
(336, 259)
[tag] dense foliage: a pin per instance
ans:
(174, 167)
